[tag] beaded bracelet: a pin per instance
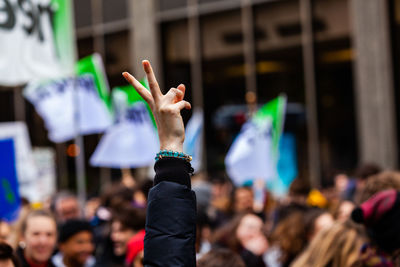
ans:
(173, 154)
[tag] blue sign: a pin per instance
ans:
(9, 195)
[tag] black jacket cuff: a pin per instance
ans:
(173, 170)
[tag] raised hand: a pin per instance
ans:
(166, 108)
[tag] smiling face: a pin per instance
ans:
(78, 248)
(250, 227)
(40, 238)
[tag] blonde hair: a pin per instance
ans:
(337, 246)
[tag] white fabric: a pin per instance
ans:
(250, 156)
(24, 56)
(132, 142)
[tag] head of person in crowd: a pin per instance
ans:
(316, 220)
(380, 214)
(343, 210)
(116, 195)
(379, 182)
(366, 170)
(141, 192)
(293, 233)
(5, 231)
(220, 257)
(39, 238)
(127, 221)
(299, 190)
(75, 243)
(335, 246)
(7, 256)
(244, 232)
(66, 206)
(243, 198)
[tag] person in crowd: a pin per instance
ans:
(171, 210)
(38, 241)
(127, 232)
(7, 256)
(316, 220)
(292, 235)
(75, 244)
(5, 231)
(220, 257)
(245, 236)
(220, 210)
(66, 206)
(243, 200)
(382, 181)
(380, 214)
(295, 202)
(362, 173)
(343, 211)
(335, 246)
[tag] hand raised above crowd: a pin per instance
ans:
(166, 108)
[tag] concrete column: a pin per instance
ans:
(374, 82)
(144, 43)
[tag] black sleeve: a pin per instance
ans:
(171, 216)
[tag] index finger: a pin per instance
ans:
(139, 88)
(153, 84)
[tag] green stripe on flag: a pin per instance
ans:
(64, 33)
(133, 97)
(93, 65)
(275, 112)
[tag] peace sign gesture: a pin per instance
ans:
(166, 108)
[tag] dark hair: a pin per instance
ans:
(366, 170)
(6, 253)
(299, 187)
(130, 217)
(116, 195)
(36, 213)
(71, 228)
(220, 257)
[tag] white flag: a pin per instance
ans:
(250, 156)
(67, 111)
(193, 144)
(254, 154)
(132, 141)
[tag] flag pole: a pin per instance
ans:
(80, 168)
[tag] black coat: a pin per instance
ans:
(171, 217)
(24, 263)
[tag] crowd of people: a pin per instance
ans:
(177, 219)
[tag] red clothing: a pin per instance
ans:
(135, 245)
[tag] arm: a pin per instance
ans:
(171, 212)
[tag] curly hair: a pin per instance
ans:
(336, 246)
(379, 182)
(290, 235)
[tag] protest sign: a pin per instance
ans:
(36, 40)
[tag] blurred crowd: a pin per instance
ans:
(352, 221)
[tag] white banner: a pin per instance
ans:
(57, 101)
(27, 42)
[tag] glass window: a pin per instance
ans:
(83, 13)
(171, 4)
(335, 92)
(223, 82)
(117, 56)
(114, 10)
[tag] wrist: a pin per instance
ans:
(173, 146)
